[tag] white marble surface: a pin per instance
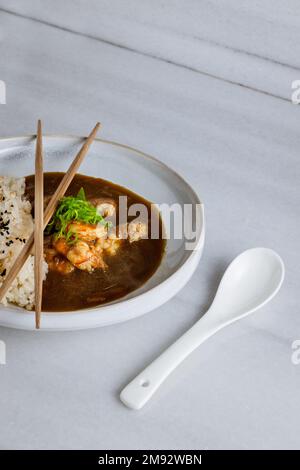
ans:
(253, 43)
(237, 145)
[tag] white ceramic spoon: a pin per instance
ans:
(250, 281)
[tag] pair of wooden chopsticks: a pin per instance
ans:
(42, 218)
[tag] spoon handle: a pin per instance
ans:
(136, 394)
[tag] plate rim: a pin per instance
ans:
(143, 295)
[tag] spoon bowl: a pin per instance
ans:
(250, 281)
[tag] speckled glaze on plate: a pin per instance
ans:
(136, 171)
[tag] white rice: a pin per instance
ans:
(16, 225)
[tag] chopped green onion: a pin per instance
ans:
(72, 208)
(81, 194)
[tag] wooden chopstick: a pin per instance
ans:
(63, 186)
(65, 182)
(38, 226)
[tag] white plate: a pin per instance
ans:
(136, 171)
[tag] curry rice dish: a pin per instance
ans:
(88, 259)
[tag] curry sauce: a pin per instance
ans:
(127, 270)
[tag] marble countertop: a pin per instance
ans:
(208, 91)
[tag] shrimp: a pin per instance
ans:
(137, 231)
(109, 244)
(82, 255)
(85, 257)
(87, 232)
(57, 263)
(61, 245)
(134, 231)
(105, 207)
